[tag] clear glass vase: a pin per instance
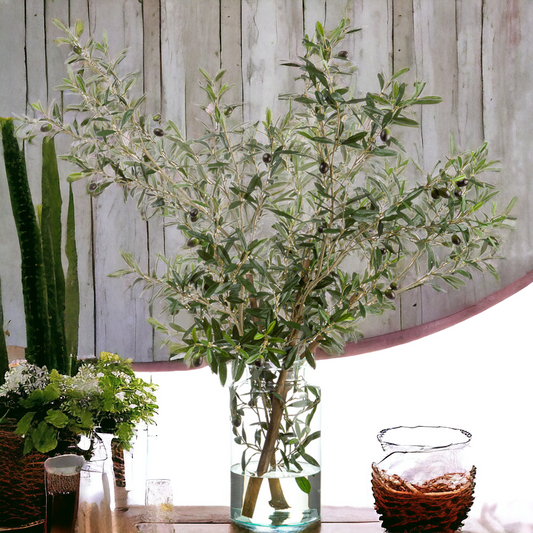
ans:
(425, 482)
(275, 467)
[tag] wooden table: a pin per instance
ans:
(203, 519)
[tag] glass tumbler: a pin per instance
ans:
(425, 482)
(62, 485)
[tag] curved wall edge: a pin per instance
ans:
(397, 338)
(381, 342)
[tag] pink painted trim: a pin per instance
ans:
(389, 340)
(397, 338)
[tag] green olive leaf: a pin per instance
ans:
(304, 484)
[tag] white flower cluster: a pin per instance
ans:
(85, 381)
(25, 378)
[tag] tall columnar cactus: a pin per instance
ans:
(51, 305)
(72, 289)
(33, 274)
(51, 239)
(4, 361)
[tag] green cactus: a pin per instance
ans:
(33, 275)
(72, 289)
(4, 360)
(51, 239)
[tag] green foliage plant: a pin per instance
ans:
(4, 359)
(38, 350)
(40, 234)
(272, 210)
(51, 231)
(53, 409)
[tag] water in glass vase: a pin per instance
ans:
(299, 509)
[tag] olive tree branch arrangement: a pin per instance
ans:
(297, 227)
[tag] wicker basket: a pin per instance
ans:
(432, 507)
(22, 499)
(117, 454)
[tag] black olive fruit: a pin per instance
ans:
(46, 127)
(193, 212)
(456, 239)
(462, 183)
(229, 110)
(191, 243)
(198, 362)
(158, 132)
(390, 294)
(385, 135)
(236, 421)
(323, 167)
(267, 158)
(434, 194)
(383, 251)
(458, 193)
(343, 54)
(394, 286)
(194, 219)
(320, 229)
(444, 193)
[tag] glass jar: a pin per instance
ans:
(426, 480)
(287, 493)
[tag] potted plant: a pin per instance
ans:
(297, 228)
(44, 413)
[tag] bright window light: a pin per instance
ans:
(475, 375)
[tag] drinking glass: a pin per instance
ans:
(62, 485)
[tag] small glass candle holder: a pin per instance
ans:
(425, 482)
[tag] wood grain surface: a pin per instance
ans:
(474, 53)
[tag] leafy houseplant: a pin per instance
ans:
(44, 413)
(272, 211)
(52, 409)
(51, 303)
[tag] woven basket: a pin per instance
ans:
(408, 508)
(117, 454)
(22, 499)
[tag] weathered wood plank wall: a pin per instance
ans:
(474, 53)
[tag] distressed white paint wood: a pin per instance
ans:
(507, 112)
(474, 53)
(12, 100)
(230, 53)
(271, 33)
(403, 56)
(79, 10)
(435, 32)
(151, 85)
(121, 312)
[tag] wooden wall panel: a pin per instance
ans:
(79, 10)
(271, 32)
(507, 111)
(121, 312)
(12, 100)
(474, 53)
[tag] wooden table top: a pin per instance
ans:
(209, 519)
